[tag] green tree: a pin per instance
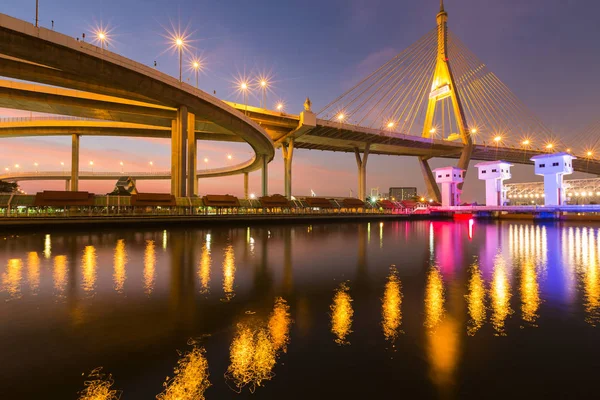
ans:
(8, 187)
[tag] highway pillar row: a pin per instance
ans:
(192, 175)
(361, 163)
(179, 128)
(287, 150)
(433, 191)
(246, 185)
(265, 176)
(74, 163)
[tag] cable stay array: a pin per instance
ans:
(394, 99)
(587, 141)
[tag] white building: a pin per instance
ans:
(494, 173)
(449, 177)
(553, 167)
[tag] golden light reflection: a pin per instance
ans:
(149, 266)
(89, 268)
(500, 294)
(530, 292)
(59, 274)
(443, 347)
(434, 299)
(120, 262)
(33, 271)
(591, 285)
(279, 325)
(391, 306)
(341, 314)
(252, 358)
(204, 268)
(47, 247)
(164, 239)
(190, 379)
(11, 279)
(229, 273)
(476, 301)
(98, 386)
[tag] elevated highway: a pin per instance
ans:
(110, 95)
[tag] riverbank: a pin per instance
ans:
(128, 220)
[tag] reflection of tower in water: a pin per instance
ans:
(229, 273)
(120, 262)
(341, 314)
(391, 306)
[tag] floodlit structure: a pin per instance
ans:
(553, 167)
(450, 178)
(494, 173)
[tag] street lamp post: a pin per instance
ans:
(36, 167)
(62, 164)
(92, 166)
(206, 163)
(196, 66)
(151, 166)
(121, 163)
(244, 89)
(37, 7)
(179, 44)
(263, 86)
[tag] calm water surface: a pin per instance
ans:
(359, 310)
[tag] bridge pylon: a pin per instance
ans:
(443, 86)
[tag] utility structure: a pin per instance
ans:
(553, 167)
(443, 87)
(450, 178)
(494, 173)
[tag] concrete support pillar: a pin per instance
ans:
(361, 163)
(67, 185)
(287, 150)
(74, 163)
(433, 191)
(192, 170)
(464, 160)
(178, 152)
(265, 176)
(246, 185)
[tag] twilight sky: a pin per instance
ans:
(542, 49)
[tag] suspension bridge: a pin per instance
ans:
(435, 99)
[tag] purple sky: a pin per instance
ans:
(542, 49)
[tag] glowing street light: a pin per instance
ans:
(473, 131)
(549, 146)
(244, 90)
(62, 164)
(526, 142)
(151, 166)
(205, 163)
(102, 37)
(498, 139)
(391, 125)
(121, 164)
(341, 117)
(252, 196)
(264, 83)
(179, 44)
(229, 157)
(432, 131)
(279, 106)
(589, 154)
(92, 166)
(196, 65)
(36, 166)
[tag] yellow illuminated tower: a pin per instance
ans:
(442, 87)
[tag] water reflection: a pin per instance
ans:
(500, 294)
(11, 279)
(341, 314)
(47, 247)
(120, 262)
(391, 307)
(190, 379)
(33, 271)
(98, 386)
(149, 267)
(255, 348)
(530, 292)
(591, 281)
(228, 273)
(205, 264)
(279, 325)
(59, 275)
(434, 298)
(88, 264)
(476, 300)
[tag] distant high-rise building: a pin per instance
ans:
(402, 193)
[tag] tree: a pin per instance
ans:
(8, 187)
